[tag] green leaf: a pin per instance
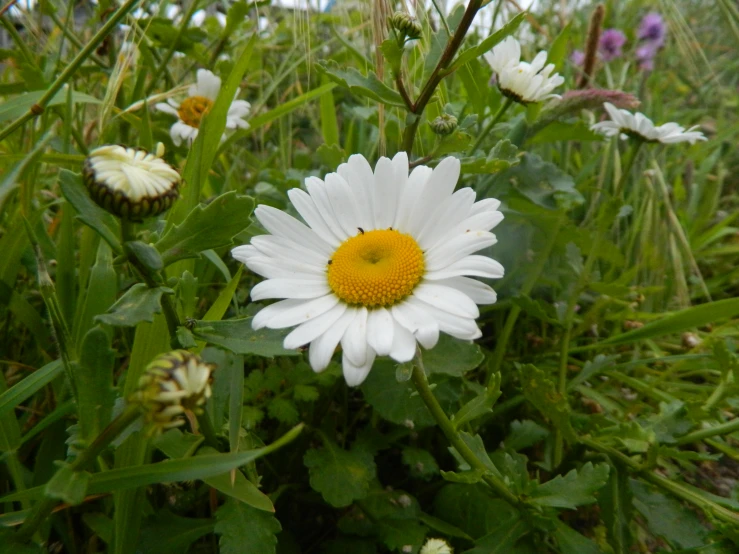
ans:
(617, 509)
(558, 130)
(166, 533)
(29, 386)
(458, 141)
(543, 183)
(94, 378)
(473, 510)
(238, 336)
(329, 125)
(541, 392)
(138, 304)
(89, 213)
(283, 410)
(236, 485)
(370, 86)
(244, 529)
(146, 254)
(574, 489)
(524, 434)
(340, 476)
(68, 485)
(502, 156)
(570, 540)
(487, 44)
(420, 462)
(206, 227)
(535, 308)
(99, 294)
(331, 156)
(558, 49)
(480, 405)
(16, 107)
(393, 54)
(503, 540)
(677, 322)
(452, 356)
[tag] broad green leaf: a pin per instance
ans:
(340, 476)
(503, 540)
(29, 386)
(16, 107)
(99, 294)
(244, 529)
(541, 392)
(89, 213)
(452, 356)
(68, 485)
(238, 336)
(393, 53)
(558, 130)
(524, 434)
(208, 226)
(487, 44)
(421, 463)
(458, 141)
(570, 540)
(502, 156)
(94, 378)
(138, 304)
(535, 308)
(558, 50)
(146, 254)
(166, 533)
(480, 405)
(472, 509)
(575, 489)
(368, 86)
(543, 183)
(236, 485)
(331, 156)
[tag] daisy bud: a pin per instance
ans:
(444, 125)
(131, 182)
(172, 384)
(436, 546)
(405, 25)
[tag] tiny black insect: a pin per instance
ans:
(330, 262)
(360, 230)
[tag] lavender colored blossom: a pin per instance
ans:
(611, 43)
(645, 55)
(577, 57)
(653, 29)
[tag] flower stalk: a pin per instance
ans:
(493, 122)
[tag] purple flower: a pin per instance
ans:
(645, 55)
(653, 29)
(577, 57)
(611, 42)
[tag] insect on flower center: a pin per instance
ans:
(376, 268)
(192, 110)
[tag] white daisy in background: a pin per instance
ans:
(626, 124)
(382, 261)
(131, 182)
(521, 81)
(436, 546)
(191, 110)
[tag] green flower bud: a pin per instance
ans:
(405, 25)
(444, 125)
(131, 182)
(172, 384)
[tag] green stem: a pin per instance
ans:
(39, 107)
(19, 41)
(628, 167)
(43, 508)
(427, 395)
(723, 429)
(208, 431)
(676, 488)
(533, 276)
(493, 122)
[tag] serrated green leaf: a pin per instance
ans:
(238, 336)
(88, 212)
(570, 540)
(245, 529)
(368, 86)
(305, 393)
(340, 476)
(541, 392)
(472, 509)
(68, 485)
(206, 227)
(393, 54)
(575, 489)
(452, 356)
(480, 405)
(524, 434)
(331, 155)
(283, 410)
(138, 304)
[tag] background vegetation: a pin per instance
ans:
(602, 394)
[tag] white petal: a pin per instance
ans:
(385, 194)
(447, 299)
(354, 341)
(289, 288)
(380, 328)
(283, 225)
(404, 344)
(288, 313)
(358, 174)
(449, 214)
(343, 203)
(208, 85)
(479, 292)
(322, 347)
(279, 247)
(319, 194)
(409, 198)
(446, 252)
(307, 209)
(424, 328)
(314, 328)
(458, 327)
(166, 108)
(477, 266)
(439, 186)
(354, 375)
(479, 222)
(275, 268)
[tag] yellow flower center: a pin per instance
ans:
(192, 110)
(376, 268)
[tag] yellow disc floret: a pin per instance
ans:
(376, 268)
(192, 110)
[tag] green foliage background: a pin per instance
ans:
(598, 408)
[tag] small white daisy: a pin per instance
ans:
(521, 81)
(131, 182)
(436, 546)
(626, 124)
(383, 261)
(191, 110)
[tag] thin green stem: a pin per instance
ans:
(493, 122)
(19, 42)
(43, 508)
(427, 395)
(208, 431)
(39, 107)
(69, 35)
(533, 276)
(723, 429)
(628, 166)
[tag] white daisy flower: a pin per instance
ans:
(436, 546)
(383, 261)
(191, 110)
(131, 182)
(626, 124)
(521, 81)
